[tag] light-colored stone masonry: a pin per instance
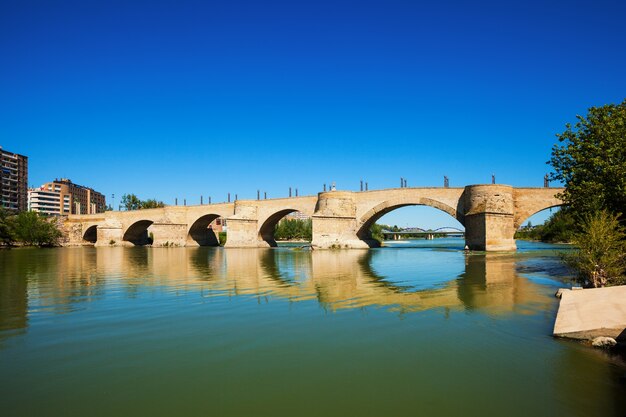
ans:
(341, 219)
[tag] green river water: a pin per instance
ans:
(418, 328)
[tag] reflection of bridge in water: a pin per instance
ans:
(335, 279)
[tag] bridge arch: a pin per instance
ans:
(200, 234)
(375, 213)
(266, 230)
(523, 216)
(90, 234)
(137, 233)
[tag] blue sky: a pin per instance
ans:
(182, 99)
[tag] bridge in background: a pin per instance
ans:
(418, 232)
(489, 213)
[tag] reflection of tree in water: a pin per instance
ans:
(61, 278)
(15, 268)
(604, 379)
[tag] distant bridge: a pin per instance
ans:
(409, 232)
(489, 213)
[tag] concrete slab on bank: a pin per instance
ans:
(592, 312)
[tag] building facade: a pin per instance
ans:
(218, 225)
(297, 215)
(63, 197)
(13, 181)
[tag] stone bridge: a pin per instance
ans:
(341, 219)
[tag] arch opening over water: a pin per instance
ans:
(90, 235)
(420, 218)
(267, 231)
(205, 231)
(538, 217)
(138, 233)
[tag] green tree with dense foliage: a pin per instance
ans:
(294, 229)
(151, 203)
(376, 231)
(590, 160)
(600, 257)
(559, 227)
(6, 232)
(132, 202)
(32, 229)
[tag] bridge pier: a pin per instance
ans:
(335, 222)
(243, 227)
(168, 234)
(110, 235)
(489, 217)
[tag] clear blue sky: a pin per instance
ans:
(183, 98)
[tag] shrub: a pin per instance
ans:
(31, 229)
(600, 257)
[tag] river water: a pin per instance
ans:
(418, 328)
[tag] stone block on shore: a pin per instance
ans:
(591, 313)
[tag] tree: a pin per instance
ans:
(6, 232)
(131, 202)
(601, 255)
(558, 228)
(31, 229)
(151, 203)
(590, 160)
(288, 229)
(376, 231)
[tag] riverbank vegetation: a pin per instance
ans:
(599, 259)
(590, 161)
(294, 229)
(559, 228)
(376, 231)
(27, 228)
(302, 229)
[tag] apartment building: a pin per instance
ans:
(63, 197)
(13, 181)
